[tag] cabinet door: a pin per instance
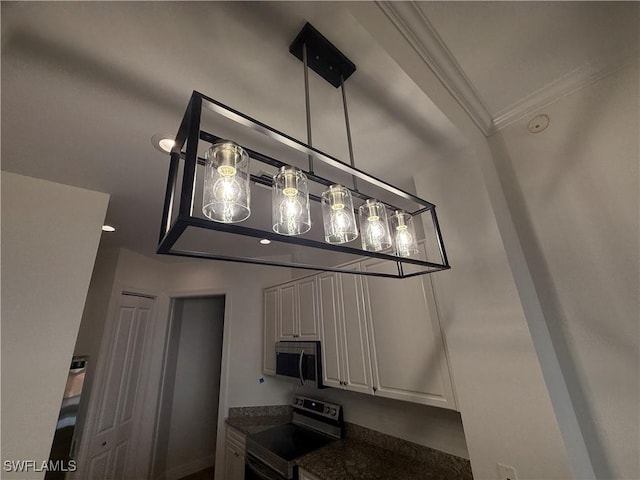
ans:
(307, 310)
(330, 334)
(234, 455)
(288, 311)
(234, 463)
(408, 354)
(270, 336)
(357, 361)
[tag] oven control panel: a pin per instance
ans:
(329, 410)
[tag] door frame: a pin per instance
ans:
(160, 357)
(98, 385)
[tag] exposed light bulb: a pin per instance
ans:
(405, 237)
(290, 213)
(290, 202)
(376, 235)
(375, 232)
(338, 216)
(404, 242)
(227, 191)
(226, 194)
(340, 221)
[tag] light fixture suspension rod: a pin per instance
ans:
(346, 121)
(307, 103)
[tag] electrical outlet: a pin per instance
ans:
(507, 472)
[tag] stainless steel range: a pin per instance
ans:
(271, 454)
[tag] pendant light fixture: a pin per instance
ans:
(290, 202)
(313, 216)
(338, 215)
(226, 193)
(404, 234)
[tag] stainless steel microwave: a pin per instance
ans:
(300, 360)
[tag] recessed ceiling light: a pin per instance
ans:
(108, 228)
(163, 142)
(264, 241)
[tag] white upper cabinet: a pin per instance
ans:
(288, 315)
(408, 354)
(379, 335)
(330, 329)
(356, 355)
(270, 331)
(307, 309)
(343, 333)
(297, 315)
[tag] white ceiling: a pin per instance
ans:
(511, 50)
(86, 84)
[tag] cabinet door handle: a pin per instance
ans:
(300, 369)
(374, 389)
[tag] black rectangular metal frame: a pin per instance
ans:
(182, 197)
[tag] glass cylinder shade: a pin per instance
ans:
(404, 234)
(338, 215)
(226, 194)
(290, 202)
(374, 227)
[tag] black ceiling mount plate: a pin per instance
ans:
(322, 56)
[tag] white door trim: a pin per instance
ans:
(159, 355)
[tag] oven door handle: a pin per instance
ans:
(300, 368)
(253, 466)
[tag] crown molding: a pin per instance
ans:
(422, 36)
(567, 84)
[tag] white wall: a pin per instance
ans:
(573, 194)
(242, 351)
(194, 412)
(500, 389)
(50, 235)
(92, 324)
(513, 398)
(243, 285)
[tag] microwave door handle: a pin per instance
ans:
(300, 369)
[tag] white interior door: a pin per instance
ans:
(110, 453)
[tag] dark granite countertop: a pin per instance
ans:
(353, 459)
(363, 455)
(254, 424)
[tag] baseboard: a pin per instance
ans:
(189, 468)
